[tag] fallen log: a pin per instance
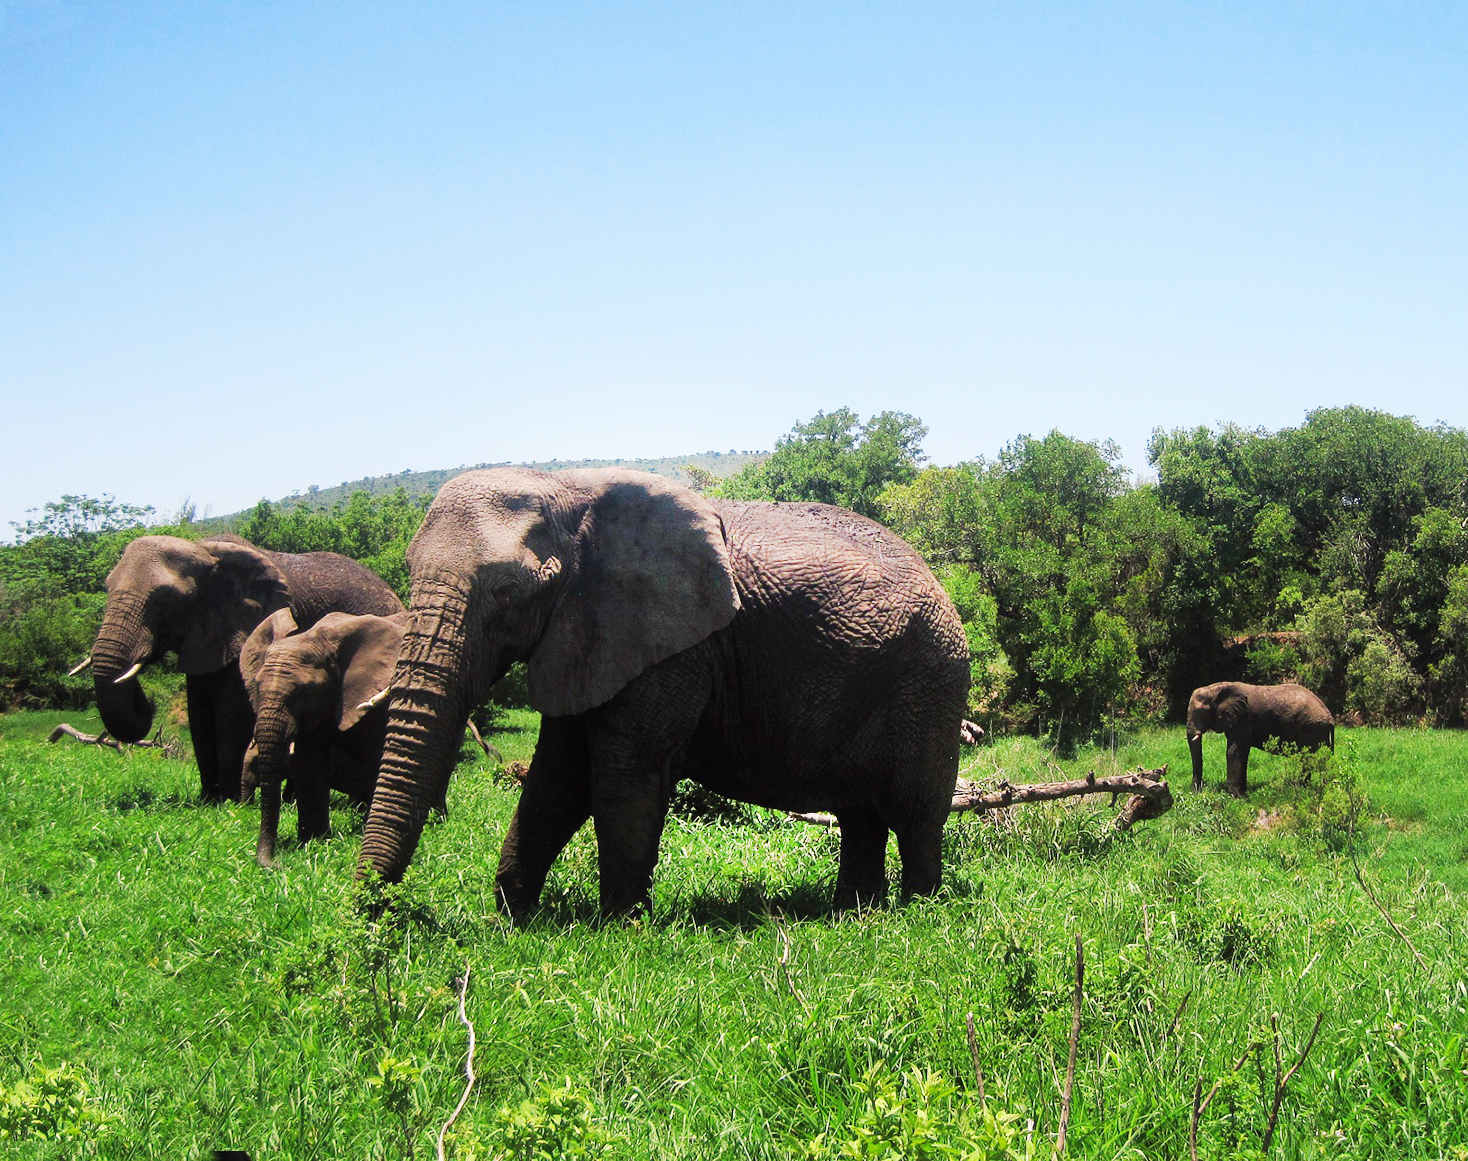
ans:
(157, 742)
(1150, 796)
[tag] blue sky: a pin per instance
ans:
(247, 248)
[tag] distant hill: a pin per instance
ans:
(721, 464)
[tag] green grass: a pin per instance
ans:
(199, 1002)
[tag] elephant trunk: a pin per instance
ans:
(1195, 748)
(125, 639)
(427, 709)
(266, 766)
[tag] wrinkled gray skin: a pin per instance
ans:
(308, 690)
(1251, 715)
(796, 656)
(201, 599)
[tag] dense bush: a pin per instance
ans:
(1334, 553)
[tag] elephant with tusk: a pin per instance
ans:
(200, 600)
(797, 656)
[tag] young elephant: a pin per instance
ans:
(1250, 715)
(308, 691)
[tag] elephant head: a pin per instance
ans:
(1221, 708)
(198, 598)
(303, 682)
(588, 576)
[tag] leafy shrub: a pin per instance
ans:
(52, 1104)
(922, 1117)
(558, 1123)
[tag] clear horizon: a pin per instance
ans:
(251, 249)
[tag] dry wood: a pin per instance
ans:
(1075, 1035)
(489, 750)
(1199, 1109)
(1281, 1081)
(1151, 797)
(468, 1064)
(973, 1050)
(156, 742)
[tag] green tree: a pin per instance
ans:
(835, 459)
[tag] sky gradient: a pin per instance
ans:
(249, 248)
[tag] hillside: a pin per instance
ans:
(721, 464)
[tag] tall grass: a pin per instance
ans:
(164, 996)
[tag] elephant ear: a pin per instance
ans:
(649, 576)
(367, 653)
(1232, 706)
(243, 588)
(258, 644)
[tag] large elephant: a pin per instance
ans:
(313, 721)
(201, 599)
(1251, 715)
(797, 656)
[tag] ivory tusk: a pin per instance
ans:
(291, 749)
(133, 672)
(376, 699)
(85, 661)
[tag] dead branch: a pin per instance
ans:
(1385, 914)
(970, 732)
(1281, 1081)
(1075, 1035)
(973, 1050)
(1176, 1020)
(468, 1064)
(1151, 797)
(67, 730)
(1199, 1109)
(169, 746)
(489, 750)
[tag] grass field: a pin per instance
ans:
(164, 997)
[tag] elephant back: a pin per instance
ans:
(846, 579)
(327, 582)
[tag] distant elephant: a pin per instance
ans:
(313, 724)
(1250, 715)
(201, 599)
(797, 656)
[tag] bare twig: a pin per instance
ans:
(489, 750)
(1176, 1020)
(1151, 796)
(1199, 1109)
(1075, 1035)
(1281, 1081)
(1193, 1124)
(468, 1063)
(787, 946)
(1385, 914)
(973, 1050)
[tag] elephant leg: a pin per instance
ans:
(221, 722)
(204, 732)
(639, 741)
(554, 802)
(862, 877)
(309, 775)
(920, 843)
(1238, 767)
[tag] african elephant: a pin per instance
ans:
(797, 656)
(1250, 715)
(201, 599)
(313, 723)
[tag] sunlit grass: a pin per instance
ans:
(210, 1004)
